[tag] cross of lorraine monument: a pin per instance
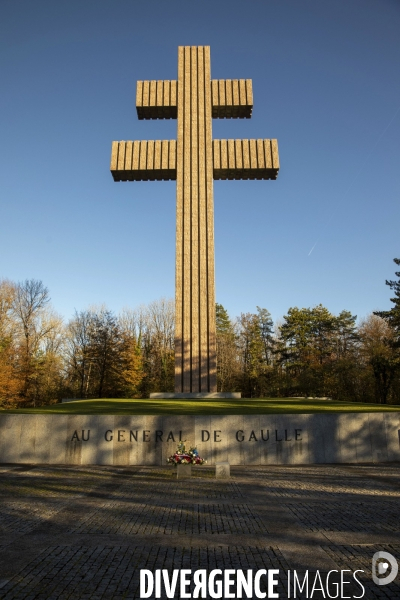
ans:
(194, 160)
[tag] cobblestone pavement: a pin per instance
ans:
(85, 532)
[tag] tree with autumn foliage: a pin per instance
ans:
(98, 354)
(10, 382)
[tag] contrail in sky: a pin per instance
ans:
(312, 248)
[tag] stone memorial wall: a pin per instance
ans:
(240, 440)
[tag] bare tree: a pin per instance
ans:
(93, 353)
(30, 308)
(133, 321)
(377, 350)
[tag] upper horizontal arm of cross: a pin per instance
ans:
(231, 99)
(156, 99)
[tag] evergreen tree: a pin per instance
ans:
(252, 356)
(223, 322)
(346, 372)
(266, 331)
(387, 368)
(227, 365)
(306, 350)
(392, 316)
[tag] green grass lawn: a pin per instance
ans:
(220, 406)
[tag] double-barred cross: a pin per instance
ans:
(194, 160)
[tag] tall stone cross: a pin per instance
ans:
(194, 160)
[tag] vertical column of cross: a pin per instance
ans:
(195, 352)
(209, 211)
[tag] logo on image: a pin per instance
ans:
(384, 568)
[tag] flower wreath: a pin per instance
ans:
(186, 457)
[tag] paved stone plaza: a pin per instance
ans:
(84, 532)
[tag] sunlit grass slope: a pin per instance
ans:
(244, 406)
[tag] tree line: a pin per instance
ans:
(99, 354)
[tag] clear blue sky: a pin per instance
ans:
(326, 84)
